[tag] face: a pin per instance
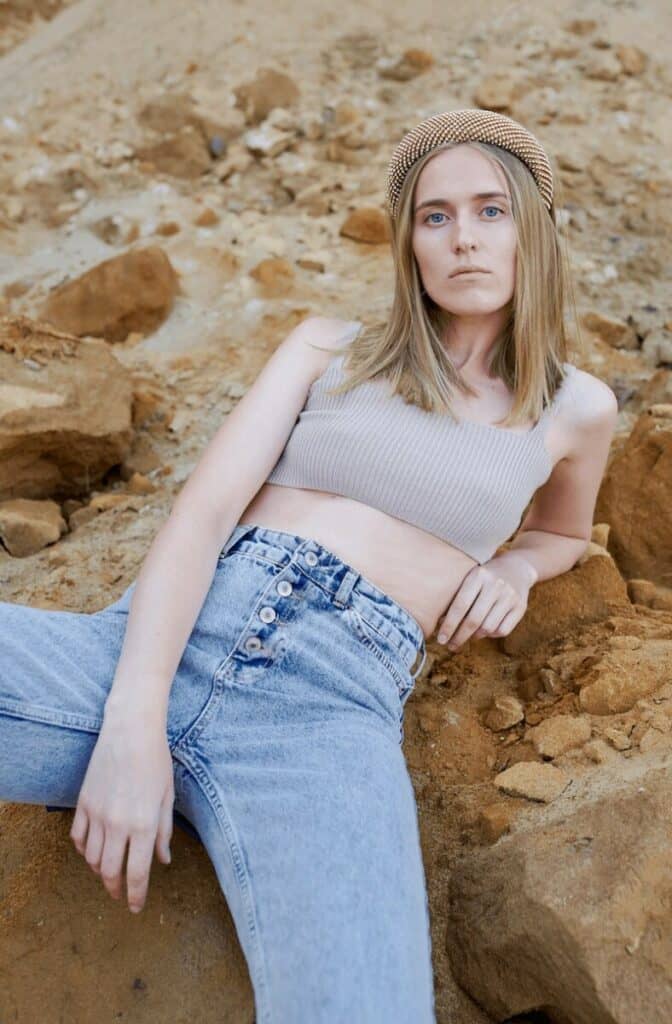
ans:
(458, 228)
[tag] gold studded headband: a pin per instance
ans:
(470, 125)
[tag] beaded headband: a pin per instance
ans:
(470, 125)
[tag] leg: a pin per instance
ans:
(297, 784)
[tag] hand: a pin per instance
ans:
(490, 601)
(126, 797)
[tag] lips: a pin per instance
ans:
(469, 270)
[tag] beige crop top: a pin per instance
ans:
(468, 483)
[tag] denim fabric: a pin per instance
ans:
(285, 723)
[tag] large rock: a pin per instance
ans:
(636, 497)
(65, 411)
(130, 292)
(569, 913)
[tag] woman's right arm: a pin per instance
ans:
(169, 592)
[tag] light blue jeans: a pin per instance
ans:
(285, 722)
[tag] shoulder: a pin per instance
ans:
(588, 411)
(590, 400)
(320, 338)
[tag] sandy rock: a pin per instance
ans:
(102, 503)
(367, 224)
(506, 711)
(599, 752)
(657, 348)
(555, 735)
(266, 140)
(497, 92)
(207, 218)
(589, 592)
(268, 89)
(625, 674)
(655, 389)
(183, 154)
(534, 781)
(408, 65)
(130, 292)
(27, 526)
(615, 332)
(633, 60)
(494, 820)
(65, 411)
(635, 497)
(274, 275)
(650, 594)
(604, 66)
(569, 913)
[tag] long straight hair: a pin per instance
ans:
(406, 348)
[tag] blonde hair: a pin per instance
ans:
(406, 348)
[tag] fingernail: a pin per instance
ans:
(442, 638)
(136, 910)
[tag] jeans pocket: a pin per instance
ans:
(384, 649)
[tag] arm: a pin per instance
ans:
(554, 534)
(179, 566)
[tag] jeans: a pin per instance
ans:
(285, 723)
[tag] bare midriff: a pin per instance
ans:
(416, 569)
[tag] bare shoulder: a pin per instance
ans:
(318, 338)
(588, 413)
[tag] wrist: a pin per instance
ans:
(122, 711)
(527, 566)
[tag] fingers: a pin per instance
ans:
(94, 845)
(138, 867)
(79, 828)
(112, 861)
(165, 829)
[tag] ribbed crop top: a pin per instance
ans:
(466, 482)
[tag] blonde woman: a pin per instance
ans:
(253, 678)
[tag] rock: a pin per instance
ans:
(269, 89)
(615, 332)
(267, 140)
(604, 67)
(555, 735)
(102, 503)
(64, 423)
(207, 218)
(650, 594)
(657, 348)
(635, 497)
(621, 676)
(27, 526)
(366, 224)
(589, 592)
(130, 292)
(497, 92)
(632, 59)
(506, 711)
(569, 912)
(409, 65)
(274, 275)
(534, 781)
(599, 751)
(494, 820)
(184, 154)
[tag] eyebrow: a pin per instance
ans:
(444, 202)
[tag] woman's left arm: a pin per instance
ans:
(556, 531)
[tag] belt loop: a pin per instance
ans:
(415, 673)
(345, 588)
(238, 531)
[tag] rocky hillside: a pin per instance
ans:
(179, 185)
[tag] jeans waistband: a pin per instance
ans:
(346, 585)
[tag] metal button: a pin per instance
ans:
(267, 614)
(253, 643)
(284, 587)
(311, 558)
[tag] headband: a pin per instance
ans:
(470, 125)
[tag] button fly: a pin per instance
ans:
(311, 558)
(253, 643)
(267, 614)
(284, 587)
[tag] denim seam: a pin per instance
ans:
(223, 819)
(402, 683)
(35, 713)
(251, 555)
(217, 683)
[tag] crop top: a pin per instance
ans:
(465, 482)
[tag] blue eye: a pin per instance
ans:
(492, 208)
(435, 214)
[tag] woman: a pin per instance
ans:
(353, 500)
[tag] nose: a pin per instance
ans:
(463, 236)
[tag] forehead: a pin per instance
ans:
(458, 173)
